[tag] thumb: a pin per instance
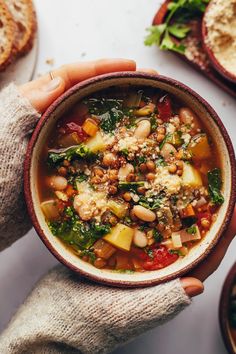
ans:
(40, 98)
(192, 286)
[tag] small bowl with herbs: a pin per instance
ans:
(129, 179)
(227, 311)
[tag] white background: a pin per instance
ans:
(71, 30)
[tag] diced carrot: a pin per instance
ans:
(90, 127)
(187, 211)
(70, 191)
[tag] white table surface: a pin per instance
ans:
(71, 30)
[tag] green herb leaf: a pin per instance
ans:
(179, 31)
(75, 232)
(78, 151)
(214, 186)
(152, 202)
(130, 186)
(155, 34)
(157, 236)
(192, 230)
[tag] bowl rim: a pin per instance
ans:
(224, 307)
(214, 61)
(28, 159)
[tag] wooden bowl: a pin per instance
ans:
(218, 133)
(226, 330)
(214, 61)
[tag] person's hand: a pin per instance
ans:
(43, 91)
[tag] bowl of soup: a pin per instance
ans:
(129, 179)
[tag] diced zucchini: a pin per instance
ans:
(50, 209)
(191, 177)
(119, 209)
(96, 143)
(120, 236)
(199, 147)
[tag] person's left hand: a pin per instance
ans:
(43, 91)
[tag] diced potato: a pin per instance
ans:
(187, 236)
(119, 209)
(199, 147)
(176, 239)
(96, 143)
(50, 209)
(120, 236)
(191, 177)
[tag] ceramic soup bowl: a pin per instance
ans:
(225, 154)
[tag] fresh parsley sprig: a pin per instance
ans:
(179, 12)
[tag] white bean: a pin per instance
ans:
(140, 239)
(186, 115)
(168, 151)
(144, 213)
(83, 207)
(124, 171)
(143, 129)
(58, 183)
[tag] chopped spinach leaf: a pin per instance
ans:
(214, 186)
(130, 186)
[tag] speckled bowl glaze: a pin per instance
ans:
(219, 135)
(214, 61)
(224, 311)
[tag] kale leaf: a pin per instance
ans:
(109, 112)
(78, 151)
(77, 233)
(214, 186)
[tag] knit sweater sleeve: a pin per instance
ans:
(66, 314)
(17, 119)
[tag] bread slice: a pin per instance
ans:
(24, 16)
(7, 36)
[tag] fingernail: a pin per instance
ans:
(52, 85)
(194, 290)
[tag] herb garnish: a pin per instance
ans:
(179, 12)
(152, 202)
(214, 186)
(192, 230)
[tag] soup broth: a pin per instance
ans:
(129, 179)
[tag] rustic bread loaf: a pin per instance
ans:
(25, 19)
(7, 36)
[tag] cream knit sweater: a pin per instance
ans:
(65, 313)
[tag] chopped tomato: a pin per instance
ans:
(72, 127)
(203, 215)
(164, 107)
(159, 258)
